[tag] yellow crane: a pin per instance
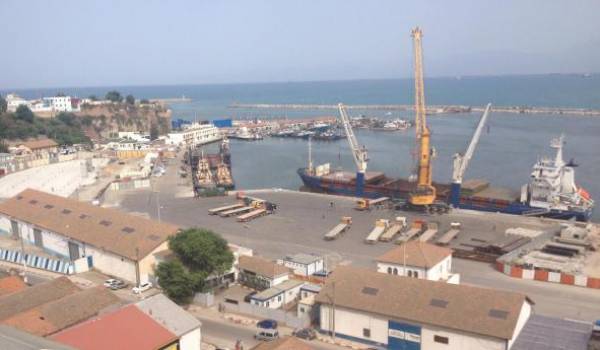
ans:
(424, 194)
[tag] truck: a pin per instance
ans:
(416, 228)
(368, 204)
(236, 211)
(340, 228)
(394, 229)
(380, 226)
(215, 211)
(448, 236)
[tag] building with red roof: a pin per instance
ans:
(126, 328)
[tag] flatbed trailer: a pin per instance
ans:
(380, 226)
(427, 235)
(252, 215)
(447, 237)
(390, 233)
(408, 235)
(338, 229)
(215, 211)
(237, 211)
(367, 204)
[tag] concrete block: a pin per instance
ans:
(581, 280)
(554, 277)
(528, 274)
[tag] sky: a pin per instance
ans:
(71, 43)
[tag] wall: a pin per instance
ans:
(383, 268)
(191, 340)
(458, 340)
(111, 264)
(522, 320)
(148, 263)
(279, 279)
(351, 323)
(441, 270)
(262, 313)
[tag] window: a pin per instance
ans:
(279, 298)
(395, 271)
(409, 273)
(440, 339)
(416, 274)
(366, 333)
(389, 270)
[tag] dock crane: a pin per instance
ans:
(424, 195)
(461, 162)
(358, 153)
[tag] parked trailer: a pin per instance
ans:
(428, 234)
(235, 211)
(380, 226)
(216, 211)
(391, 233)
(339, 229)
(408, 235)
(447, 237)
(252, 215)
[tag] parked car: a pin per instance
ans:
(141, 288)
(305, 333)
(109, 282)
(266, 334)
(118, 285)
(267, 324)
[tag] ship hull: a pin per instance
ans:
(400, 188)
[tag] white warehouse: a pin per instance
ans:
(115, 243)
(410, 313)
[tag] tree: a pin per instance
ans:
(153, 132)
(93, 98)
(25, 114)
(3, 104)
(202, 251)
(179, 284)
(130, 99)
(144, 101)
(114, 96)
(3, 146)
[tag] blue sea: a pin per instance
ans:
(504, 157)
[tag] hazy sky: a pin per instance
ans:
(97, 43)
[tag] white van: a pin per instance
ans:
(266, 334)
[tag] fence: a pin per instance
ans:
(38, 262)
(264, 313)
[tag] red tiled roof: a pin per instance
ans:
(418, 254)
(126, 328)
(11, 284)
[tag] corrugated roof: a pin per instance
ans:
(126, 328)
(168, 314)
(11, 284)
(284, 343)
(14, 339)
(302, 258)
(418, 254)
(466, 308)
(102, 228)
(276, 290)
(57, 315)
(34, 296)
(261, 266)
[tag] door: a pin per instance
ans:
(404, 336)
(73, 251)
(90, 261)
(37, 238)
(15, 229)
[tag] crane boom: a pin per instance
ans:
(358, 153)
(461, 162)
(425, 193)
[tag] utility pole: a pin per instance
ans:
(23, 259)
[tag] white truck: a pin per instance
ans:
(394, 229)
(340, 228)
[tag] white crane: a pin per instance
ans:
(358, 153)
(461, 162)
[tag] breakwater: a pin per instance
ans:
(434, 109)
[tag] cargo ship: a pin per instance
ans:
(551, 191)
(212, 171)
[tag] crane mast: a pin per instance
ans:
(424, 194)
(359, 153)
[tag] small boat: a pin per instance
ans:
(244, 134)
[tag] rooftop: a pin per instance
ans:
(261, 266)
(284, 343)
(168, 314)
(302, 258)
(57, 315)
(14, 339)
(276, 290)
(35, 144)
(11, 284)
(126, 328)
(418, 254)
(475, 310)
(29, 298)
(123, 234)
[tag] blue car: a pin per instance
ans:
(267, 324)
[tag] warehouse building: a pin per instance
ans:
(419, 260)
(409, 313)
(278, 296)
(303, 264)
(115, 243)
(260, 273)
